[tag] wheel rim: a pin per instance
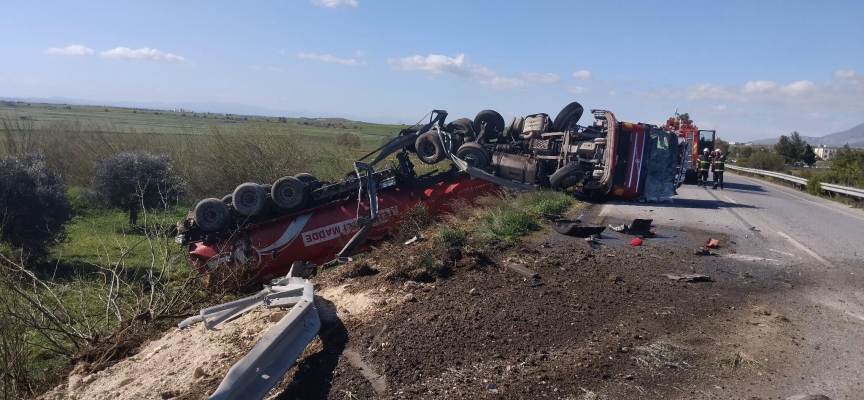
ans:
(427, 150)
(472, 159)
(287, 193)
(210, 215)
(249, 199)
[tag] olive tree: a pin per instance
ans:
(33, 204)
(134, 181)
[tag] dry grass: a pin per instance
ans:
(738, 361)
(659, 356)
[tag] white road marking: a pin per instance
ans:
(801, 198)
(784, 253)
(730, 199)
(749, 258)
(806, 250)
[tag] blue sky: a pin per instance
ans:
(752, 69)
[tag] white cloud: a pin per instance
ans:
(72, 50)
(583, 75)
(804, 94)
(329, 59)
(540, 78)
(852, 76)
(721, 107)
(254, 67)
(360, 54)
(335, 3)
(499, 83)
(845, 74)
(440, 64)
(577, 90)
(613, 93)
(143, 54)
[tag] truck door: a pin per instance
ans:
(706, 140)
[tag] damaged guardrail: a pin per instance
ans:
(828, 187)
(277, 351)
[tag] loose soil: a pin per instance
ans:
(426, 322)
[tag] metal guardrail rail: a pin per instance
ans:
(848, 191)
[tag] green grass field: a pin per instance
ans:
(158, 122)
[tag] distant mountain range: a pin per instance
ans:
(854, 137)
(202, 106)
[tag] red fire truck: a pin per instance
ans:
(691, 142)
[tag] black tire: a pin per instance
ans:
(429, 148)
(494, 124)
(462, 127)
(288, 192)
(305, 178)
(474, 154)
(211, 214)
(572, 112)
(249, 199)
(227, 199)
(567, 176)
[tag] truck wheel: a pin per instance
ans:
(571, 113)
(227, 199)
(474, 154)
(288, 192)
(494, 124)
(211, 214)
(306, 178)
(249, 199)
(429, 148)
(567, 176)
(462, 127)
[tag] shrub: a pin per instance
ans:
(450, 237)
(33, 204)
(348, 139)
(133, 181)
(767, 161)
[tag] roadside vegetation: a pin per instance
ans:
(102, 273)
(794, 156)
(104, 189)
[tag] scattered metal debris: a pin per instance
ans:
(575, 228)
(522, 270)
(637, 227)
(690, 278)
(415, 239)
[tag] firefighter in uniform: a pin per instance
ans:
(718, 166)
(705, 161)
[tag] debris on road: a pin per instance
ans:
(808, 397)
(690, 278)
(711, 243)
(575, 228)
(641, 227)
(415, 239)
(522, 270)
(702, 251)
(636, 242)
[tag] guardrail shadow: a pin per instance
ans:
(314, 375)
(744, 187)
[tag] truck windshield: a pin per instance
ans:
(662, 149)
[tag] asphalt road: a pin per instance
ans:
(777, 231)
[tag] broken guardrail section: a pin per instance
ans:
(276, 352)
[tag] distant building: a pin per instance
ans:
(824, 152)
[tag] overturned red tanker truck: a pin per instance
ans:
(258, 232)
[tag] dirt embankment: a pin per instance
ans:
(601, 322)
